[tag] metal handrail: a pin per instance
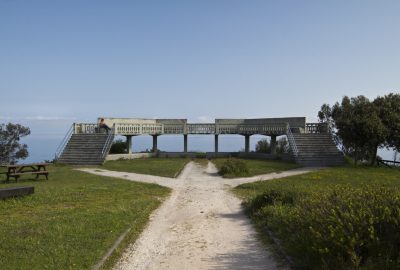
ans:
(64, 142)
(291, 140)
(110, 137)
(331, 131)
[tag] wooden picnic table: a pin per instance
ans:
(17, 170)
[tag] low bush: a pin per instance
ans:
(167, 167)
(201, 155)
(250, 167)
(234, 167)
(273, 197)
(342, 227)
(118, 147)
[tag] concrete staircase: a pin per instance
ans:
(86, 149)
(317, 150)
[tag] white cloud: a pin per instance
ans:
(37, 118)
(6, 118)
(48, 118)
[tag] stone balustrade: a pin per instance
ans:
(266, 126)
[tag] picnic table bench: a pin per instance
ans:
(13, 192)
(17, 170)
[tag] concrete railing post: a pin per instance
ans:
(273, 144)
(247, 143)
(129, 143)
(216, 143)
(185, 143)
(155, 143)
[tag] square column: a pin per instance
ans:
(155, 143)
(185, 143)
(273, 144)
(129, 143)
(216, 143)
(247, 143)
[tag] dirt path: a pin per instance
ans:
(200, 226)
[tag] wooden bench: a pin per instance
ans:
(13, 192)
(18, 170)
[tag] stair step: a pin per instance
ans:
(317, 150)
(84, 149)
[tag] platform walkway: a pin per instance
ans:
(310, 144)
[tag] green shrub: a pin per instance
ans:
(118, 147)
(201, 155)
(272, 197)
(341, 228)
(234, 167)
(263, 146)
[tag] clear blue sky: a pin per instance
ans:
(65, 61)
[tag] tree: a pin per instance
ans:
(362, 126)
(10, 147)
(359, 126)
(263, 146)
(282, 145)
(389, 111)
(325, 114)
(118, 147)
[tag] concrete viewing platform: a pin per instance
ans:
(137, 126)
(310, 143)
(130, 127)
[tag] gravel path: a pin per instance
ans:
(200, 226)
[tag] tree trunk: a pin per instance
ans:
(374, 152)
(355, 156)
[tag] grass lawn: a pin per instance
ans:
(337, 218)
(72, 219)
(201, 161)
(321, 180)
(168, 167)
(258, 167)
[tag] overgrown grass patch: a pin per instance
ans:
(234, 168)
(251, 167)
(168, 167)
(72, 219)
(201, 161)
(339, 218)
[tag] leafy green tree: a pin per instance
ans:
(362, 126)
(282, 145)
(10, 147)
(118, 147)
(359, 126)
(263, 146)
(325, 114)
(389, 112)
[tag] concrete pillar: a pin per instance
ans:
(185, 143)
(216, 143)
(155, 143)
(129, 143)
(273, 144)
(247, 143)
